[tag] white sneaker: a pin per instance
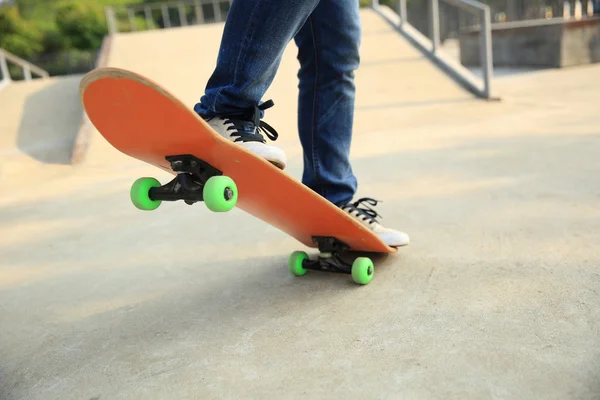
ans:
(246, 131)
(367, 216)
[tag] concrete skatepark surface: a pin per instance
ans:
(496, 297)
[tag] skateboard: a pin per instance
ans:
(143, 120)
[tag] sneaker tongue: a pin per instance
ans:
(246, 127)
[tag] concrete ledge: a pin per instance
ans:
(551, 43)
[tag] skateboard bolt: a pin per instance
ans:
(369, 271)
(228, 194)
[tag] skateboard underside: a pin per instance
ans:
(198, 181)
(144, 121)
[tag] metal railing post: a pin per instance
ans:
(435, 24)
(217, 10)
(182, 15)
(111, 20)
(131, 16)
(199, 12)
(402, 11)
(566, 10)
(4, 67)
(27, 72)
(165, 16)
(148, 14)
(486, 55)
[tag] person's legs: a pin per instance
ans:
(255, 36)
(328, 51)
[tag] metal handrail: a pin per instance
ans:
(28, 68)
(484, 14)
(164, 7)
(432, 46)
(468, 5)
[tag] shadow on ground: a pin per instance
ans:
(50, 122)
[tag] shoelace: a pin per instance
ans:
(367, 212)
(262, 125)
(239, 124)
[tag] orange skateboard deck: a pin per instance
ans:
(144, 121)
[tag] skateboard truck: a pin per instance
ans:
(196, 181)
(190, 164)
(330, 260)
(192, 175)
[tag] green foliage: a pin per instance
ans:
(140, 24)
(389, 3)
(38, 11)
(61, 36)
(67, 62)
(53, 40)
(81, 23)
(124, 24)
(17, 35)
(20, 45)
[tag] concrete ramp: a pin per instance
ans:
(39, 121)
(393, 75)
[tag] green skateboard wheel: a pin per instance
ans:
(220, 193)
(362, 270)
(295, 263)
(140, 194)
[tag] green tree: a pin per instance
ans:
(17, 35)
(81, 23)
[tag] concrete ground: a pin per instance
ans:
(496, 297)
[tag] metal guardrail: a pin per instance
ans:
(522, 10)
(189, 12)
(27, 67)
(399, 18)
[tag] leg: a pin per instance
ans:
(328, 51)
(255, 36)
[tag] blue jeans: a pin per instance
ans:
(327, 34)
